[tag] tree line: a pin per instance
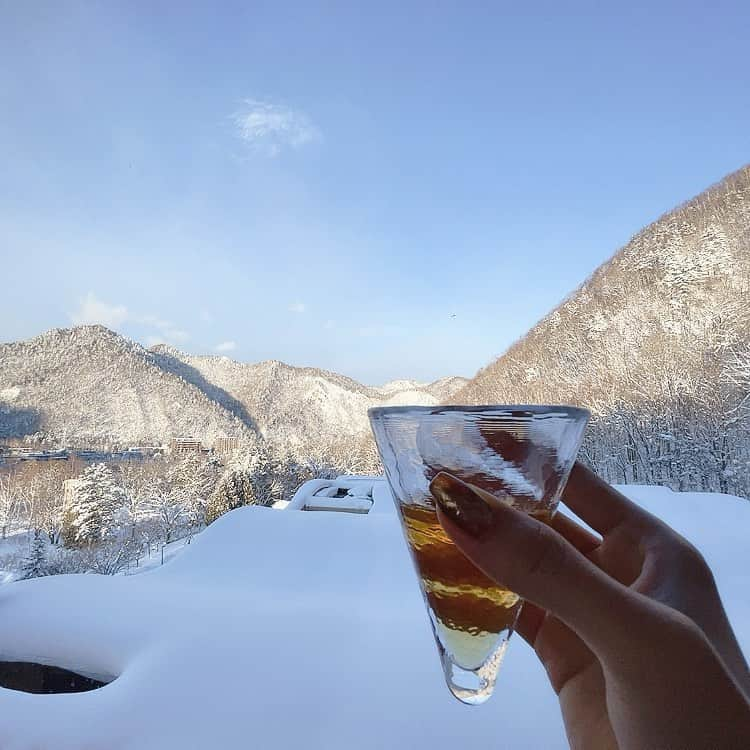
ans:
(104, 518)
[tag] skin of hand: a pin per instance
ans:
(628, 625)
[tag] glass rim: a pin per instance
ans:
(573, 412)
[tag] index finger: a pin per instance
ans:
(536, 563)
(599, 504)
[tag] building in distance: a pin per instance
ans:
(186, 445)
(226, 445)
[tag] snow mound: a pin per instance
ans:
(291, 629)
(10, 394)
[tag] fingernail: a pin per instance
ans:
(462, 505)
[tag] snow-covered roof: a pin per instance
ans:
(279, 629)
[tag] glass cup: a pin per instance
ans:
(523, 456)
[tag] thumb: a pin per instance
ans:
(526, 556)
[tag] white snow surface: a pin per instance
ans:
(289, 629)
(10, 394)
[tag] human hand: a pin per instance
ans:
(629, 626)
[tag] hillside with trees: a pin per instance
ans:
(90, 386)
(304, 408)
(657, 344)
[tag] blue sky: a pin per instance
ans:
(385, 189)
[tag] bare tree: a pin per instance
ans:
(169, 508)
(11, 502)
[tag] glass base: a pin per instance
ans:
(473, 686)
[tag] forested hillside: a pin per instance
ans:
(90, 386)
(657, 344)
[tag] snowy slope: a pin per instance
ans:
(284, 629)
(674, 299)
(90, 384)
(301, 406)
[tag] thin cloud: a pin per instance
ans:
(91, 310)
(176, 335)
(297, 307)
(329, 324)
(269, 128)
(226, 346)
(168, 333)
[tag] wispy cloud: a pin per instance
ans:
(93, 310)
(175, 335)
(169, 332)
(329, 324)
(297, 307)
(269, 128)
(226, 346)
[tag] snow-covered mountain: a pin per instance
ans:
(88, 384)
(298, 405)
(657, 344)
(91, 384)
(674, 301)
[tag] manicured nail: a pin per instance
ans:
(462, 504)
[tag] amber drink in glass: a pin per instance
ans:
(520, 454)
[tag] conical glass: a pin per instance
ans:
(521, 454)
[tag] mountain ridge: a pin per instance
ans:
(685, 266)
(64, 374)
(90, 384)
(653, 344)
(302, 405)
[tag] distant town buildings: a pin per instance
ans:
(226, 445)
(34, 453)
(24, 450)
(186, 445)
(14, 453)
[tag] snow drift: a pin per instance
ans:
(285, 629)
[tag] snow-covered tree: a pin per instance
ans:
(109, 557)
(233, 490)
(268, 473)
(194, 477)
(34, 565)
(252, 478)
(45, 502)
(10, 502)
(138, 483)
(92, 512)
(168, 506)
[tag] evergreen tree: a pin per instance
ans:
(260, 477)
(195, 478)
(233, 491)
(96, 500)
(34, 565)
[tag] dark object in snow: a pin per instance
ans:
(40, 678)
